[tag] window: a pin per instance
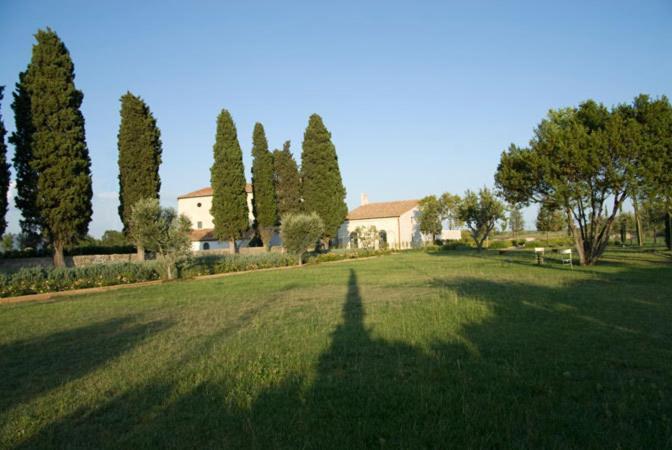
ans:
(198, 205)
(199, 225)
(206, 246)
(353, 240)
(383, 238)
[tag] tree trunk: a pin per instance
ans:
(668, 230)
(59, 258)
(140, 255)
(232, 246)
(266, 234)
(300, 259)
(638, 222)
(655, 237)
(578, 242)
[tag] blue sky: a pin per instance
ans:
(420, 97)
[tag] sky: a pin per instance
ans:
(420, 97)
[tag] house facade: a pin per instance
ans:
(196, 206)
(396, 224)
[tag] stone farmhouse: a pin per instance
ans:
(395, 222)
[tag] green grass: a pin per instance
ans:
(413, 350)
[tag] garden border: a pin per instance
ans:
(46, 296)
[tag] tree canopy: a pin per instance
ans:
(60, 156)
(429, 219)
(516, 221)
(26, 176)
(229, 199)
(139, 144)
(550, 218)
(480, 213)
(583, 159)
(4, 171)
(287, 181)
(162, 231)
(264, 205)
(301, 231)
(322, 186)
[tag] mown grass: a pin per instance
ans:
(412, 350)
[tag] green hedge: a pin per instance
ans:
(341, 254)
(36, 280)
(496, 245)
(209, 265)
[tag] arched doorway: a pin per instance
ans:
(382, 239)
(206, 246)
(353, 240)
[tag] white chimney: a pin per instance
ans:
(363, 199)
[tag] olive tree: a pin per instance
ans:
(480, 213)
(162, 231)
(300, 231)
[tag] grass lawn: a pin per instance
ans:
(411, 350)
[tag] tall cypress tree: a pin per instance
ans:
(322, 186)
(227, 178)
(263, 200)
(287, 181)
(60, 156)
(26, 176)
(139, 143)
(4, 171)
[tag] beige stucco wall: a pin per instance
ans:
(389, 224)
(402, 232)
(189, 207)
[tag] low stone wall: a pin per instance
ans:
(242, 251)
(14, 264)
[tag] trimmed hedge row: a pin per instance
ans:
(212, 264)
(37, 280)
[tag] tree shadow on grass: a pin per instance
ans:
(35, 366)
(544, 369)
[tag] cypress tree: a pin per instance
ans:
(4, 171)
(60, 156)
(227, 177)
(139, 143)
(322, 187)
(26, 176)
(263, 199)
(287, 181)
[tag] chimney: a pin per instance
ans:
(363, 199)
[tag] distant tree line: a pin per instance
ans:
(53, 168)
(581, 166)
(280, 188)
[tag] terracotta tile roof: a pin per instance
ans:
(384, 209)
(204, 234)
(207, 192)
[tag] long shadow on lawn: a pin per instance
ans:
(545, 369)
(32, 367)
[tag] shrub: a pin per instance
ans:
(36, 280)
(300, 231)
(533, 244)
(213, 264)
(162, 231)
(496, 245)
(457, 245)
